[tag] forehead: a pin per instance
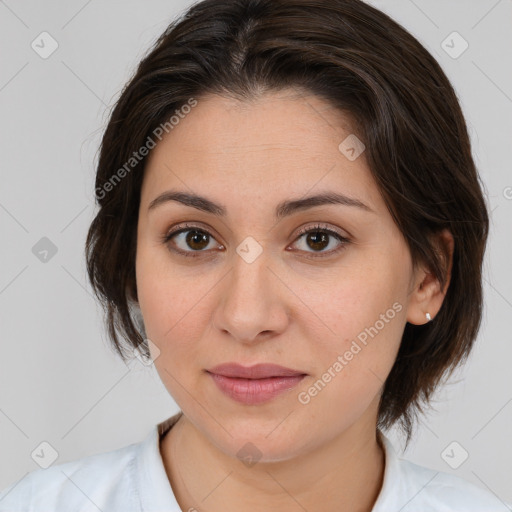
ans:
(286, 142)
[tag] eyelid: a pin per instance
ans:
(185, 226)
(320, 226)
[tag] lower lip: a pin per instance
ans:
(254, 391)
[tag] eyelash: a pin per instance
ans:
(183, 228)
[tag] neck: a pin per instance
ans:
(347, 473)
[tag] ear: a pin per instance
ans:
(427, 295)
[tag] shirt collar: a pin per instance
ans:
(392, 485)
(155, 491)
(156, 494)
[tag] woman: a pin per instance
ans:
(292, 228)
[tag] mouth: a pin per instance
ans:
(254, 384)
(257, 371)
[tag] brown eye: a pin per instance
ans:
(191, 241)
(196, 240)
(318, 238)
(187, 240)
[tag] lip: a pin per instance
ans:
(254, 384)
(257, 371)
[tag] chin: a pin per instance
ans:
(261, 450)
(265, 440)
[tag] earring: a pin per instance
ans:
(428, 317)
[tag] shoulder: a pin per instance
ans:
(443, 492)
(409, 487)
(74, 485)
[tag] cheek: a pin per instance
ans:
(358, 299)
(356, 343)
(174, 301)
(172, 311)
(174, 315)
(351, 368)
(163, 291)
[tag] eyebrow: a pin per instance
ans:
(283, 209)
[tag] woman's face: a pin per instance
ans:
(248, 287)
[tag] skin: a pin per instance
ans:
(286, 307)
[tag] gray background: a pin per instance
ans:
(59, 382)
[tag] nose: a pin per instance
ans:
(252, 301)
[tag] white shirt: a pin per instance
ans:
(133, 479)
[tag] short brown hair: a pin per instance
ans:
(407, 113)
